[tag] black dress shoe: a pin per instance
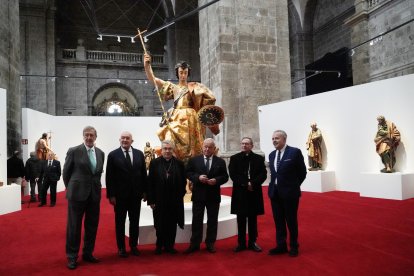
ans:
(211, 248)
(171, 250)
(41, 205)
(135, 251)
(122, 253)
(191, 249)
(239, 248)
(278, 250)
(158, 250)
(294, 252)
(90, 259)
(255, 247)
(72, 264)
(52, 205)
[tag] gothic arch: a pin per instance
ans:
(115, 99)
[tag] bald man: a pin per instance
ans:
(126, 186)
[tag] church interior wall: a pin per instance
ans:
(67, 132)
(3, 136)
(347, 119)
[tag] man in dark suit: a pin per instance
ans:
(126, 182)
(166, 189)
(49, 176)
(248, 172)
(207, 172)
(82, 177)
(288, 171)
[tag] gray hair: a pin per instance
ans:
(89, 128)
(281, 132)
(248, 138)
(168, 142)
(32, 154)
(210, 140)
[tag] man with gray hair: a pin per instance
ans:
(32, 172)
(207, 172)
(82, 178)
(166, 189)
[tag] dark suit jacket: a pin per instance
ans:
(157, 190)
(246, 202)
(122, 180)
(78, 177)
(204, 192)
(51, 173)
(290, 174)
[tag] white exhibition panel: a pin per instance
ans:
(227, 223)
(10, 198)
(347, 119)
(390, 186)
(67, 132)
(319, 182)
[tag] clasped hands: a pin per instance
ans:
(204, 179)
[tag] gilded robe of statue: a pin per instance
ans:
(183, 126)
(314, 149)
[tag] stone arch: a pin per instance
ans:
(115, 99)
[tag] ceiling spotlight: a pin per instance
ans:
(119, 39)
(99, 38)
(145, 39)
(132, 40)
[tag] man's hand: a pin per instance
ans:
(212, 182)
(203, 179)
(250, 187)
(152, 206)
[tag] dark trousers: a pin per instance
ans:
(33, 183)
(77, 210)
(43, 194)
(132, 206)
(241, 228)
(197, 222)
(165, 222)
(285, 212)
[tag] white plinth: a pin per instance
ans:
(10, 199)
(319, 182)
(387, 185)
(227, 223)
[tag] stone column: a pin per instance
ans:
(9, 71)
(50, 61)
(359, 34)
(244, 59)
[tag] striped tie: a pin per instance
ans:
(278, 160)
(92, 159)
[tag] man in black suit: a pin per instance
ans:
(50, 172)
(126, 182)
(207, 172)
(288, 171)
(166, 189)
(82, 178)
(248, 172)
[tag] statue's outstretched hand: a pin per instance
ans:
(215, 129)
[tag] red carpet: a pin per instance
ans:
(340, 233)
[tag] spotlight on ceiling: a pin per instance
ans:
(119, 39)
(132, 40)
(99, 38)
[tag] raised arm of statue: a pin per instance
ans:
(150, 74)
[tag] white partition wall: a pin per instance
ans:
(66, 131)
(347, 119)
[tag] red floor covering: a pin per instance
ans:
(340, 233)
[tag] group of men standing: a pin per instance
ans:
(128, 184)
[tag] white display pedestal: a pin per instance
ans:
(319, 182)
(10, 199)
(227, 223)
(387, 185)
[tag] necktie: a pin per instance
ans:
(92, 160)
(128, 158)
(207, 164)
(278, 160)
(50, 163)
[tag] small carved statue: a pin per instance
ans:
(314, 148)
(387, 140)
(149, 154)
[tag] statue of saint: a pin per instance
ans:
(42, 147)
(314, 148)
(149, 154)
(387, 140)
(181, 123)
